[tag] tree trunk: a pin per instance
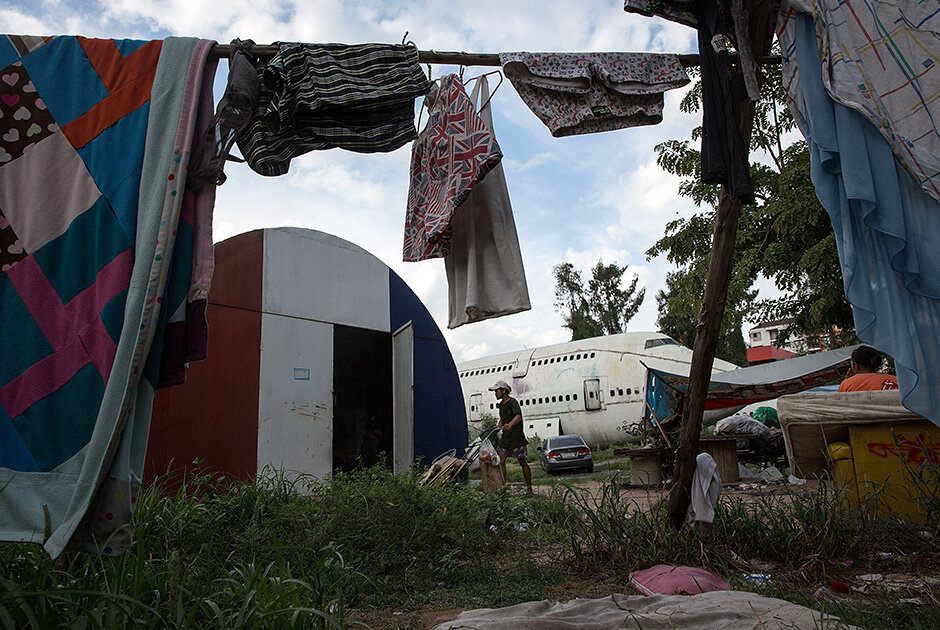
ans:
(713, 306)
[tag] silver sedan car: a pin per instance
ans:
(565, 452)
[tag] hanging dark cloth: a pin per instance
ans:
(724, 150)
(359, 98)
(232, 115)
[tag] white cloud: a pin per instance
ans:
(15, 21)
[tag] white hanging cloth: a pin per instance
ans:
(485, 276)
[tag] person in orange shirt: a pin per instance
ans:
(866, 361)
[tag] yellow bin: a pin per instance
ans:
(896, 469)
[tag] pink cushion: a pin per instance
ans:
(666, 579)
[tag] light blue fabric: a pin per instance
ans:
(887, 231)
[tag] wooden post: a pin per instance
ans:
(713, 306)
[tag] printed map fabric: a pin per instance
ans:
(882, 59)
(91, 188)
(454, 152)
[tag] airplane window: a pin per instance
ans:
(567, 396)
(472, 408)
(574, 396)
(591, 394)
(620, 391)
(592, 355)
(577, 356)
(565, 358)
(540, 401)
(612, 393)
(549, 424)
(629, 392)
(662, 341)
(553, 399)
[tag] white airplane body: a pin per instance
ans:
(593, 387)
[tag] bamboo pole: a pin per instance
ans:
(713, 306)
(450, 58)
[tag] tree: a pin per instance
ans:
(604, 307)
(680, 306)
(786, 236)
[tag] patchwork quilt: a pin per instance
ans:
(97, 271)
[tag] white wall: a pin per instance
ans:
(295, 424)
(317, 276)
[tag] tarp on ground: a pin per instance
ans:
(716, 610)
(737, 388)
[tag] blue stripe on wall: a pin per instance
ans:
(440, 417)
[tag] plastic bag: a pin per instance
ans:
(742, 424)
(767, 416)
(488, 452)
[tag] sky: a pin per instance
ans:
(576, 199)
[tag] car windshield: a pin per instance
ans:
(562, 442)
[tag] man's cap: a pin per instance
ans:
(501, 385)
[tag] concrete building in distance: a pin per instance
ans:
(320, 358)
(763, 346)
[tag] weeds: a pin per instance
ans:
(221, 554)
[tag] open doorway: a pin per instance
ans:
(362, 397)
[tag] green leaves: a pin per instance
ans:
(785, 237)
(604, 307)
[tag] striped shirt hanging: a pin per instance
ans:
(359, 98)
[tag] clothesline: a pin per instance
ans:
(452, 58)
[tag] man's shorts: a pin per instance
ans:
(515, 452)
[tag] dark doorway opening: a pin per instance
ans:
(362, 397)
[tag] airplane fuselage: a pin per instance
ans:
(593, 387)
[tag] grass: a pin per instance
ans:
(263, 555)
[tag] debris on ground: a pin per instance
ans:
(893, 582)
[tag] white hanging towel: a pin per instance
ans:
(706, 487)
(485, 277)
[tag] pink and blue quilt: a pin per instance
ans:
(95, 260)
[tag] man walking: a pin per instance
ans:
(513, 441)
